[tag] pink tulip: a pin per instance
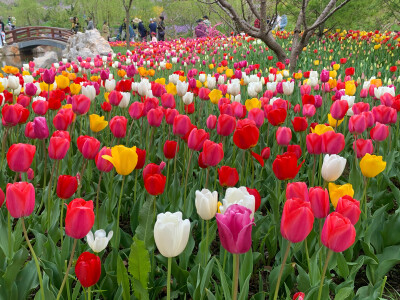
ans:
(297, 190)
(319, 199)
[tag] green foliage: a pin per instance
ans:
(139, 264)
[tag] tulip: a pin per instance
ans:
(29, 131)
(380, 132)
(246, 134)
(319, 199)
(285, 166)
(357, 124)
(314, 143)
(350, 208)
(152, 169)
(213, 153)
(265, 153)
(118, 126)
(20, 199)
(88, 146)
(170, 149)
(362, 147)
(206, 204)
(257, 115)
(372, 165)
(211, 122)
(226, 125)
(168, 101)
(49, 76)
(277, 116)
(283, 136)
(30, 89)
(40, 128)
(79, 219)
(196, 139)
(171, 233)
(155, 184)
(88, 269)
(299, 124)
(66, 186)
(126, 97)
(339, 109)
(239, 196)
(80, 104)
(136, 110)
(257, 197)
(20, 157)
(332, 142)
(99, 241)
(97, 123)
(228, 176)
(299, 295)
(297, 190)
(102, 164)
(332, 167)
(58, 147)
(182, 125)
(309, 110)
(124, 159)
(338, 233)
(338, 191)
(155, 116)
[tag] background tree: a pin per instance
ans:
(305, 25)
(127, 6)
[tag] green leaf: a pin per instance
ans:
(140, 292)
(244, 289)
(342, 265)
(15, 265)
(144, 231)
(210, 295)
(246, 268)
(139, 264)
(27, 279)
(206, 275)
(344, 293)
(122, 278)
(225, 287)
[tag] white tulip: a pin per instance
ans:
(56, 65)
(13, 82)
(237, 98)
(251, 90)
(350, 112)
(89, 91)
(288, 87)
(171, 233)
(38, 91)
(38, 98)
(211, 82)
(173, 78)
(221, 79)
(233, 88)
(4, 82)
(286, 73)
(380, 91)
(271, 86)
(202, 77)
(187, 98)
(349, 99)
(64, 60)
(174, 60)
(99, 241)
(143, 87)
(206, 204)
(126, 98)
(17, 91)
(314, 74)
(238, 196)
(110, 85)
(332, 167)
(366, 84)
(271, 77)
(25, 67)
(149, 94)
(279, 77)
(135, 86)
(312, 81)
(28, 78)
(181, 88)
(254, 78)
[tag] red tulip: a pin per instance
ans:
(20, 157)
(339, 109)
(118, 126)
(297, 220)
(228, 176)
(155, 117)
(307, 99)
(296, 149)
(66, 186)
(63, 119)
(136, 110)
(362, 147)
(211, 122)
(277, 116)
(62, 134)
(299, 124)
(88, 146)
(338, 234)
(49, 76)
(380, 132)
(212, 153)
(58, 147)
(80, 104)
(182, 125)
(40, 107)
(196, 139)
(115, 98)
(155, 184)
(168, 101)
(314, 143)
(102, 164)
(265, 153)
(13, 114)
(79, 219)
(141, 158)
(319, 199)
(257, 115)
(170, 115)
(106, 106)
(299, 295)
(88, 269)
(357, 124)
(226, 125)
(285, 166)
(170, 149)
(283, 136)
(332, 142)
(20, 199)
(2, 197)
(153, 169)
(257, 197)
(350, 208)
(360, 107)
(382, 114)
(29, 131)
(297, 190)
(246, 134)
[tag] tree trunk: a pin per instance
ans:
(127, 34)
(269, 40)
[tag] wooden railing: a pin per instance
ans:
(37, 33)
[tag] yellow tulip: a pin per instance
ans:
(171, 88)
(62, 81)
(321, 129)
(71, 76)
(337, 191)
(372, 165)
(336, 67)
(215, 95)
(106, 96)
(121, 73)
(316, 62)
(198, 84)
(75, 88)
(94, 78)
(333, 122)
(350, 88)
(25, 73)
(252, 103)
(1, 87)
(298, 76)
(124, 159)
(160, 81)
(97, 123)
(211, 66)
(44, 86)
(332, 74)
(151, 72)
(229, 73)
(182, 78)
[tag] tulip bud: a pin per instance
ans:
(206, 204)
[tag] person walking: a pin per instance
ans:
(122, 30)
(153, 27)
(161, 29)
(2, 33)
(201, 29)
(105, 31)
(142, 31)
(90, 25)
(206, 21)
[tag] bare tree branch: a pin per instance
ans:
(329, 10)
(253, 9)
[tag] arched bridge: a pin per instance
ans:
(29, 37)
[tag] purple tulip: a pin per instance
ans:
(234, 228)
(30, 89)
(49, 76)
(40, 128)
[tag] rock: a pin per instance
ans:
(46, 60)
(11, 50)
(38, 49)
(86, 44)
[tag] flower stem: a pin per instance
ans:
(68, 268)
(235, 283)
(186, 178)
(34, 258)
(281, 270)
(89, 293)
(307, 256)
(49, 196)
(97, 201)
(169, 279)
(61, 222)
(45, 162)
(330, 252)
(118, 213)
(207, 174)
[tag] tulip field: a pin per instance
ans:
(204, 169)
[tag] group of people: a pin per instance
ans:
(279, 23)
(202, 28)
(156, 31)
(11, 25)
